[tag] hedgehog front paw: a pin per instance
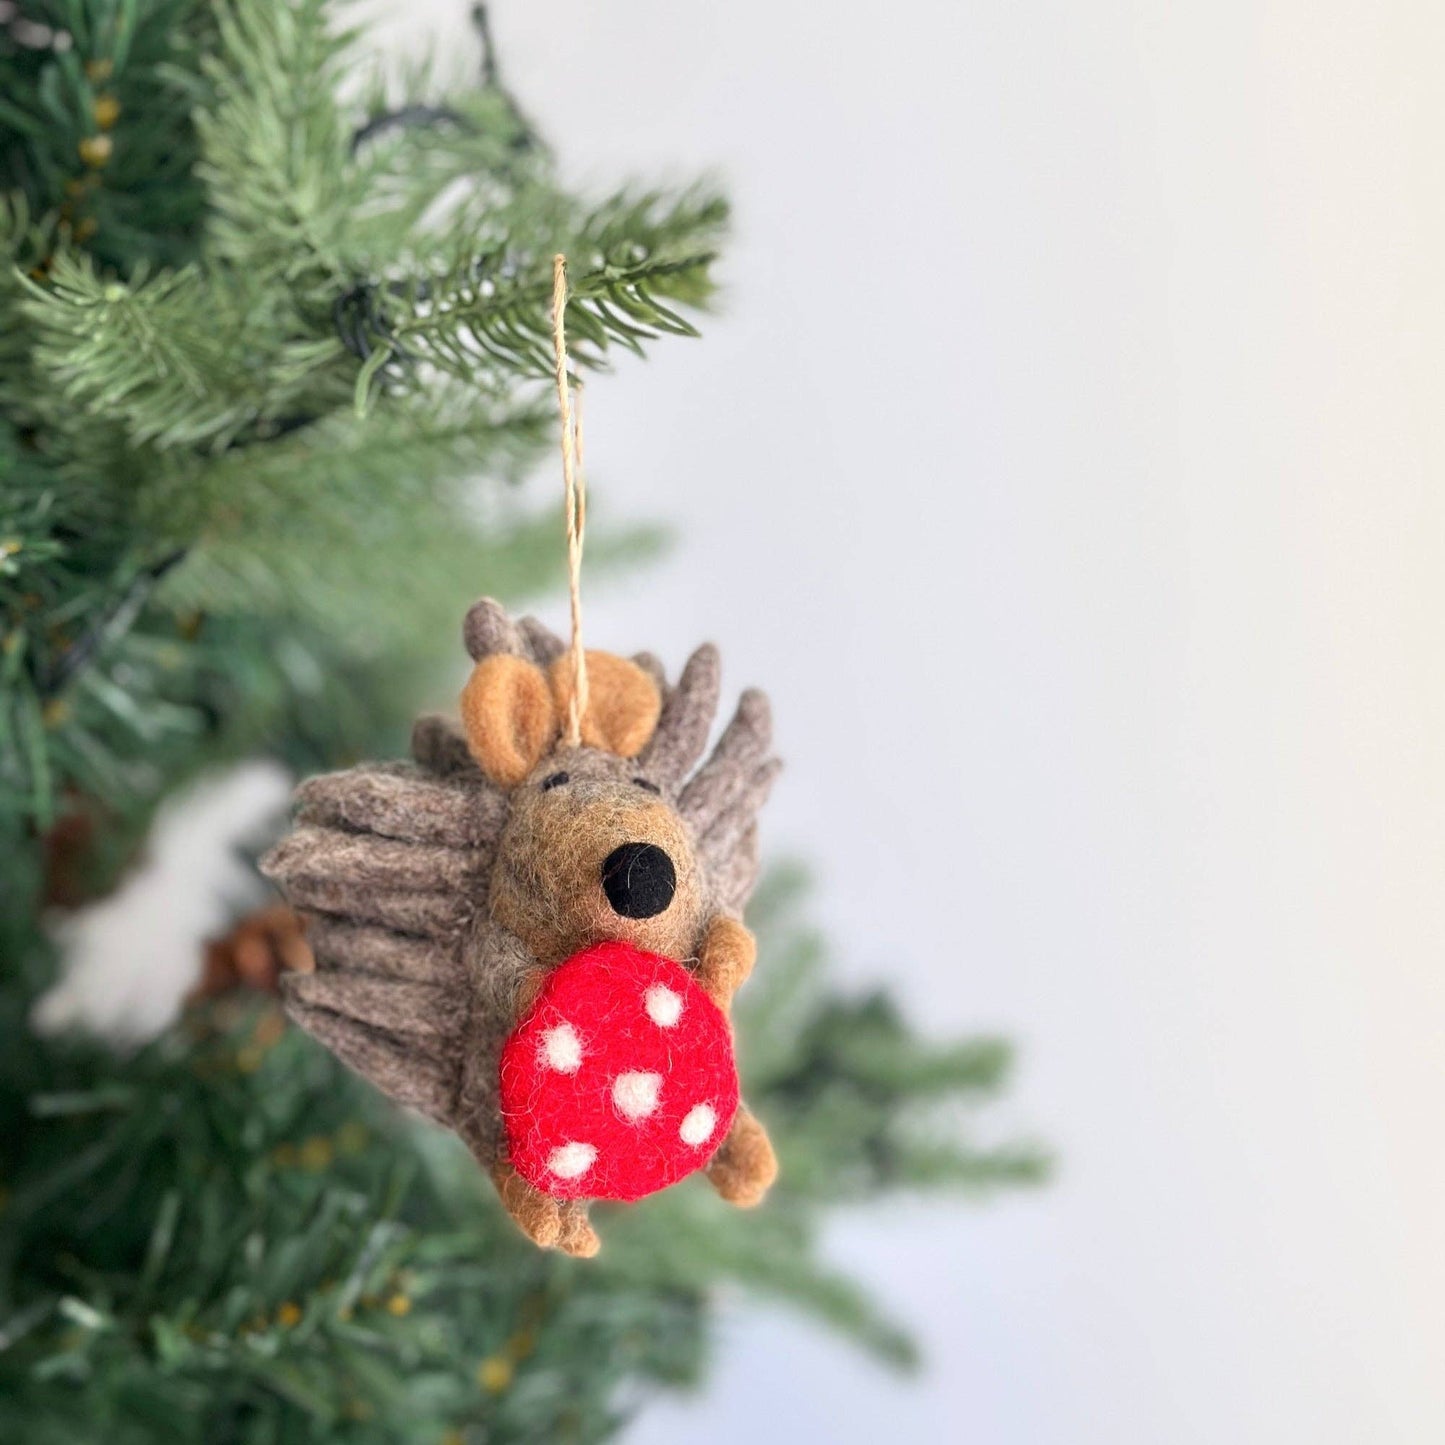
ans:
(725, 960)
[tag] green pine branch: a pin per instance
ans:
(181, 359)
(98, 136)
(275, 140)
(228, 1233)
(634, 261)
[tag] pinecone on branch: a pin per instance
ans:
(255, 953)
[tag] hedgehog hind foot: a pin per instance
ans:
(744, 1168)
(577, 1237)
(549, 1223)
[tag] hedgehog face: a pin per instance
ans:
(592, 852)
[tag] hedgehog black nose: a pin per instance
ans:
(638, 879)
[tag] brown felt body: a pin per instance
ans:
(439, 891)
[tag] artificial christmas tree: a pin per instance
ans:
(261, 327)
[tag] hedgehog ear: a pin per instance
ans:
(510, 717)
(623, 702)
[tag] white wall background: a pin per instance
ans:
(1067, 464)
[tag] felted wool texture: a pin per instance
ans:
(623, 702)
(540, 641)
(424, 1011)
(551, 1223)
(547, 886)
(733, 880)
(487, 629)
(366, 861)
(399, 801)
(513, 712)
(510, 717)
(726, 959)
(685, 721)
(745, 1167)
(620, 1081)
(651, 664)
(439, 745)
(345, 946)
(411, 1078)
(498, 969)
(739, 768)
(436, 874)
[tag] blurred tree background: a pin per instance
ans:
(273, 357)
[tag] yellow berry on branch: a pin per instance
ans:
(494, 1374)
(95, 150)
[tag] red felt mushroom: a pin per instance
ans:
(620, 1080)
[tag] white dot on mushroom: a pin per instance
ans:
(635, 1094)
(562, 1049)
(571, 1161)
(696, 1128)
(664, 1005)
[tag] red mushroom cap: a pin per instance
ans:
(620, 1080)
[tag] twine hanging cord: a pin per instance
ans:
(575, 496)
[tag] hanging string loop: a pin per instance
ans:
(574, 497)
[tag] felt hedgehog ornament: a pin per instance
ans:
(531, 932)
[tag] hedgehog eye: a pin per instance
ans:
(555, 781)
(645, 783)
